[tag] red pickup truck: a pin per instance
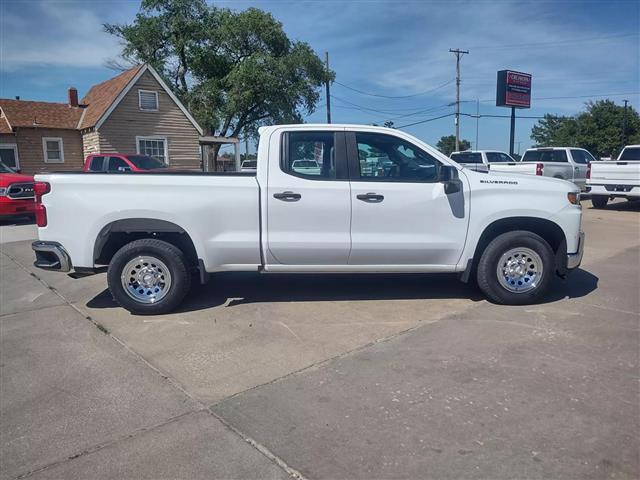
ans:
(16, 194)
(121, 162)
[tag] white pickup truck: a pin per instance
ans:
(479, 160)
(615, 179)
(564, 163)
(415, 210)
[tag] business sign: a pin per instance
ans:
(513, 89)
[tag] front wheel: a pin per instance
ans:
(516, 268)
(599, 201)
(149, 277)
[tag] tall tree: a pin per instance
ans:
(234, 70)
(598, 129)
(447, 144)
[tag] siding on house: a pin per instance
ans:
(29, 141)
(7, 138)
(118, 133)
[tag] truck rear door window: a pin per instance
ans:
(581, 156)
(310, 155)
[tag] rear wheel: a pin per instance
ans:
(599, 201)
(516, 268)
(149, 277)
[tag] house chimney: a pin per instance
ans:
(73, 97)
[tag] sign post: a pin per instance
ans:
(513, 90)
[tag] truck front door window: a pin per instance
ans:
(391, 159)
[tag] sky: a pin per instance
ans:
(391, 58)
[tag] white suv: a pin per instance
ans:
(479, 160)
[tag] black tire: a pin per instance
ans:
(167, 253)
(599, 201)
(487, 275)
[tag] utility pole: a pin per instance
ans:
(326, 65)
(477, 120)
(459, 53)
(624, 124)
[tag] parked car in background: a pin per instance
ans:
(121, 162)
(16, 194)
(565, 163)
(248, 165)
(479, 160)
(306, 167)
(512, 233)
(615, 179)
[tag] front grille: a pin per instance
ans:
(19, 191)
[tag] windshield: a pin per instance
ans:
(144, 162)
(630, 153)
(467, 157)
(5, 169)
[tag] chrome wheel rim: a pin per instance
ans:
(520, 270)
(146, 279)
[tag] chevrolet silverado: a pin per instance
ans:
(380, 200)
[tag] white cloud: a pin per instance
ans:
(53, 33)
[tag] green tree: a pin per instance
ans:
(598, 129)
(447, 144)
(234, 70)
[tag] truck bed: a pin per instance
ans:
(615, 173)
(222, 207)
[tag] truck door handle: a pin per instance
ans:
(370, 197)
(287, 196)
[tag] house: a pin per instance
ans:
(134, 112)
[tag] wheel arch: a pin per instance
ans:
(550, 231)
(118, 233)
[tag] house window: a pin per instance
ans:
(53, 150)
(148, 100)
(9, 155)
(155, 147)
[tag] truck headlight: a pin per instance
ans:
(3, 191)
(574, 198)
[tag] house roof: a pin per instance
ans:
(94, 109)
(4, 126)
(25, 113)
(101, 96)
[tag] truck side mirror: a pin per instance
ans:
(448, 175)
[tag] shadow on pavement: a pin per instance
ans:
(245, 288)
(624, 206)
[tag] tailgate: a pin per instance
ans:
(615, 173)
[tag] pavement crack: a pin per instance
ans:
(100, 446)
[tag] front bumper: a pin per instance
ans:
(574, 259)
(51, 256)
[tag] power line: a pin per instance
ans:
(486, 100)
(448, 82)
(426, 120)
(385, 112)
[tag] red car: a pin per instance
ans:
(16, 194)
(121, 162)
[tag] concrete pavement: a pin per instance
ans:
(333, 377)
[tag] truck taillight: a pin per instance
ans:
(39, 189)
(539, 169)
(589, 171)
